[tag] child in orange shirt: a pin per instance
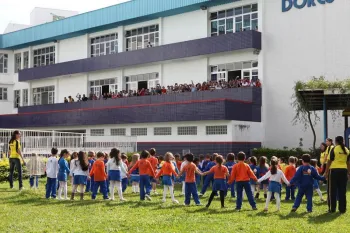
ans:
(167, 170)
(241, 173)
(220, 173)
(146, 171)
(289, 172)
(98, 170)
(190, 180)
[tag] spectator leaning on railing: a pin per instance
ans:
(173, 89)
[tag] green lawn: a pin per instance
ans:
(28, 211)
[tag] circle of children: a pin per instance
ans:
(109, 172)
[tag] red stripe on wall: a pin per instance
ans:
(223, 143)
(134, 106)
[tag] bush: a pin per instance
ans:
(279, 153)
(5, 171)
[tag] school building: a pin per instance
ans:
(144, 44)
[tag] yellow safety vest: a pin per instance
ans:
(340, 158)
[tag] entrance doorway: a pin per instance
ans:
(233, 75)
(142, 84)
(105, 89)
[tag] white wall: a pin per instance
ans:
(71, 86)
(245, 131)
(297, 45)
(12, 27)
(184, 27)
(73, 49)
(44, 15)
(230, 57)
(183, 71)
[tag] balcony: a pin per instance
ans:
(199, 47)
(242, 104)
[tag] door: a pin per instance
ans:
(105, 89)
(44, 98)
(97, 91)
(142, 85)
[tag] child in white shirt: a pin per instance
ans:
(51, 173)
(275, 176)
(36, 168)
(115, 169)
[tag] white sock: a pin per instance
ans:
(111, 189)
(120, 192)
(165, 191)
(278, 201)
(269, 194)
(319, 193)
(183, 187)
(60, 192)
(138, 188)
(171, 188)
(65, 190)
(252, 186)
(133, 188)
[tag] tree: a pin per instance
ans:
(303, 113)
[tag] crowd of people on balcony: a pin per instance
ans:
(173, 89)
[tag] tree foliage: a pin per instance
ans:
(303, 113)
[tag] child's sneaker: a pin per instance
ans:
(293, 210)
(175, 201)
(123, 199)
(254, 208)
(199, 204)
(207, 206)
(236, 209)
(163, 200)
(155, 193)
(200, 194)
(148, 197)
(266, 209)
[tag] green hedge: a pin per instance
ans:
(5, 172)
(280, 153)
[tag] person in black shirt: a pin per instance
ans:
(84, 98)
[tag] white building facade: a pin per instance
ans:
(275, 41)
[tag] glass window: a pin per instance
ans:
(229, 13)
(214, 15)
(162, 131)
(138, 131)
(118, 132)
(3, 63)
(43, 95)
(216, 130)
(17, 98)
(187, 130)
(221, 14)
(18, 58)
(25, 60)
(254, 7)
(97, 132)
(44, 57)
(25, 97)
(141, 38)
(104, 45)
(247, 9)
(3, 93)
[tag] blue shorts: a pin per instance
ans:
(135, 178)
(114, 175)
(78, 179)
(62, 176)
(167, 180)
(219, 185)
(275, 187)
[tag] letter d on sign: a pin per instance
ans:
(287, 5)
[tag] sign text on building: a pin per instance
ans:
(299, 4)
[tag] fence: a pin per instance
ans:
(41, 142)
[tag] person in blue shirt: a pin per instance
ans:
(229, 164)
(62, 175)
(198, 177)
(90, 183)
(210, 177)
(253, 165)
(305, 176)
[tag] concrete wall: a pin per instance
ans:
(297, 45)
(73, 49)
(45, 15)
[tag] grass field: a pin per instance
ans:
(28, 211)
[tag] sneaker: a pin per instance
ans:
(293, 210)
(148, 197)
(21, 188)
(199, 204)
(112, 199)
(236, 209)
(322, 200)
(265, 210)
(163, 200)
(309, 211)
(106, 199)
(155, 193)
(223, 207)
(175, 201)
(207, 206)
(123, 199)
(254, 208)
(200, 194)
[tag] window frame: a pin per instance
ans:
(185, 130)
(102, 45)
(139, 131)
(44, 56)
(4, 63)
(141, 38)
(116, 130)
(162, 131)
(213, 130)
(97, 132)
(18, 62)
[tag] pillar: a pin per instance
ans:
(325, 119)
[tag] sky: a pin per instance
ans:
(18, 11)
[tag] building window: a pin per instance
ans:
(187, 130)
(18, 58)
(44, 95)
(3, 93)
(103, 86)
(44, 56)
(104, 45)
(97, 132)
(138, 131)
(216, 130)
(118, 132)
(25, 97)
(141, 38)
(17, 98)
(146, 81)
(3, 63)
(237, 19)
(233, 71)
(160, 131)
(25, 60)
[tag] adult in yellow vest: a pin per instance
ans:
(323, 158)
(15, 158)
(337, 171)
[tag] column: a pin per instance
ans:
(30, 95)
(30, 57)
(22, 60)
(121, 39)
(56, 52)
(325, 119)
(160, 31)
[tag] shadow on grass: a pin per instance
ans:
(323, 218)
